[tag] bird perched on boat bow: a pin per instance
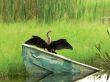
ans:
(50, 45)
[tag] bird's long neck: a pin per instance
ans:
(48, 38)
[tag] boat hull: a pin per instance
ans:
(41, 63)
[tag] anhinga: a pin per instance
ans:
(50, 45)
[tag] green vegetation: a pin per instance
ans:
(82, 36)
(50, 10)
(20, 19)
(104, 57)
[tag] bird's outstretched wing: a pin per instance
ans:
(37, 41)
(60, 44)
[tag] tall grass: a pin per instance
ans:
(50, 10)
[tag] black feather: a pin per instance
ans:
(60, 44)
(37, 41)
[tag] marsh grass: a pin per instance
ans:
(82, 36)
(50, 10)
(104, 57)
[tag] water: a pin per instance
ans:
(57, 78)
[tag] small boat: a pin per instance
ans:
(39, 62)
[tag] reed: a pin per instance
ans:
(50, 10)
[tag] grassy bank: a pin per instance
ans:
(81, 35)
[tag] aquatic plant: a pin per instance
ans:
(104, 58)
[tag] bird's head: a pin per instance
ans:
(49, 31)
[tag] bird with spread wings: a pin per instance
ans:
(50, 45)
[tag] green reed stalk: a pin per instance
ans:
(94, 11)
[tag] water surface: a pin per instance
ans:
(57, 78)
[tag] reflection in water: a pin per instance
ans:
(12, 80)
(57, 78)
(52, 78)
(67, 78)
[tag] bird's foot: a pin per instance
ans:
(54, 52)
